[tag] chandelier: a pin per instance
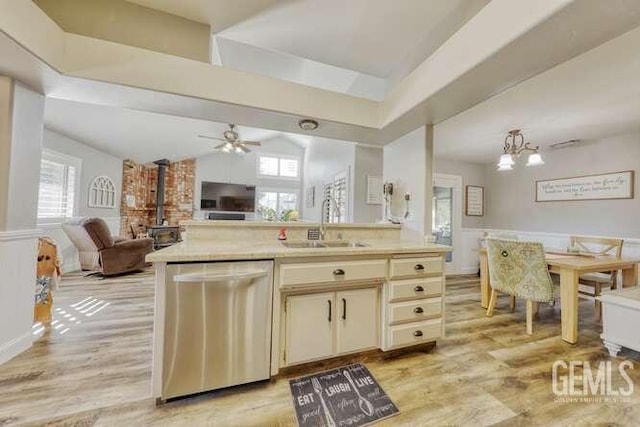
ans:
(514, 146)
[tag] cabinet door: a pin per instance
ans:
(357, 320)
(309, 327)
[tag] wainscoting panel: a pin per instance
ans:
(471, 241)
(18, 252)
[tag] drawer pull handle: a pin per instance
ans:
(417, 334)
(418, 267)
(418, 310)
(338, 272)
(418, 289)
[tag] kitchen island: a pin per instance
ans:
(361, 289)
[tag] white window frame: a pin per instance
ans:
(279, 157)
(66, 160)
(278, 191)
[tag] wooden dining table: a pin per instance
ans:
(569, 267)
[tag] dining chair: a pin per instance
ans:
(590, 285)
(504, 235)
(519, 269)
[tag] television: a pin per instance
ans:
(220, 196)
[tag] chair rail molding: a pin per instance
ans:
(14, 235)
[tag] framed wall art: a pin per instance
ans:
(474, 200)
(606, 186)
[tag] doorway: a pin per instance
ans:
(447, 215)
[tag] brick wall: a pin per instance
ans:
(140, 181)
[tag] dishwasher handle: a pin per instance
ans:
(218, 277)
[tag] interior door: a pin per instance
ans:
(357, 320)
(447, 214)
(309, 327)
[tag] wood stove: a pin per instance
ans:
(163, 235)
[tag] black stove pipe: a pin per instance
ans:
(162, 173)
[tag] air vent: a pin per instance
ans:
(565, 144)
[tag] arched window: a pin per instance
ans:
(102, 193)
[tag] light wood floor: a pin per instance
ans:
(486, 371)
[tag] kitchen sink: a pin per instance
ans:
(324, 244)
(305, 244)
(344, 244)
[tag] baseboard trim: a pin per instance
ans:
(469, 270)
(14, 347)
(68, 268)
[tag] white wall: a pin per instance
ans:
(511, 195)
(325, 158)
(243, 169)
(368, 161)
(24, 178)
(18, 233)
(94, 163)
(404, 165)
(511, 206)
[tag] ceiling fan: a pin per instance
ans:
(231, 141)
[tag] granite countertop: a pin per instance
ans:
(231, 250)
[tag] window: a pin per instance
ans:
(59, 176)
(273, 203)
(279, 167)
(336, 190)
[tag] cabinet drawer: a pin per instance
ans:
(415, 267)
(414, 311)
(415, 289)
(334, 271)
(414, 333)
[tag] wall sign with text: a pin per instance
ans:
(615, 185)
(474, 200)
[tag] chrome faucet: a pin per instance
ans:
(323, 224)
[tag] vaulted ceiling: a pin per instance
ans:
(368, 70)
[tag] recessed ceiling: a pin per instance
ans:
(374, 37)
(219, 14)
(592, 96)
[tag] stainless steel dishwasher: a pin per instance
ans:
(217, 326)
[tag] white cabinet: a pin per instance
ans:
(357, 325)
(309, 329)
(323, 325)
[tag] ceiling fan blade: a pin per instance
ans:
(212, 137)
(218, 147)
(256, 143)
(243, 148)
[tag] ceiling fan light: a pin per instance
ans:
(238, 150)
(535, 159)
(505, 168)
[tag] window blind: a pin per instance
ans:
(56, 193)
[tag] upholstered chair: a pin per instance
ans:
(519, 269)
(99, 251)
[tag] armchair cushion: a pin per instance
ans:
(99, 232)
(125, 256)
